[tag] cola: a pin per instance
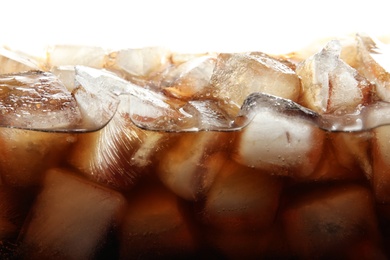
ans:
(144, 153)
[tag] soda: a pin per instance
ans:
(140, 154)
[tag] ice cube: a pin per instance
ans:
(117, 154)
(138, 62)
(66, 74)
(189, 79)
(328, 222)
(267, 244)
(188, 169)
(37, 100)
(237, 75)
(279, 141)
(241, 199)
(70, 218)
(334, 165)
(155, 226)
(372, 61)
(60, 55)
(14, 206)
(352, 151)
(381, 164)
(329, 84)
(25, 155)
(12, 62)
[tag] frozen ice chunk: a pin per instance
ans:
(381, 164)
(344, 157)
(189, 166)
(352, 151)
(14, 205)
(241, 199)
(117, 154)
(70, 218)
(372, 61)
(331, 221)
(189, 79)
(281, 138)
(25, 155)
(98, 97)
(237, 75)
(36, 100)
(154, 226)
(138, 62)
(60, 55)
(12, 62)
(66, 74)
(267, 244)
(329, 84)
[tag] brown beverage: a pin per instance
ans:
(140, 154)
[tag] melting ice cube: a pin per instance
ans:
(12, 62)
(36, 99)
(70, 218)
(329, 84)
(236, 76)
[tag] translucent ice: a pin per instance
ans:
(117, 154)
(372, 61)
(23, 152)
(241, 199)
(70, 218)
(236, 76)
(155, 225)
(138, 62)
(329, 84)
(381, 164)
(189, 79)
(36, 100)
(189, 170)
(280, 136)
(327, 222)
(60, 55)
(12, 62)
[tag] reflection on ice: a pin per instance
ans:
(91, 96)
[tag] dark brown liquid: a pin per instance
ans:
(184, 195)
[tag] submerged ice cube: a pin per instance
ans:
(381, 164)
(14, 205)
(331, 221)
(36, 99)
(25, 155)
(155, 226)
(281, 138)
(241, 199)
(70, 219)
(117, 154)
(189, 170)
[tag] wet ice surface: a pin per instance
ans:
(154, 111)
(97, 94)
(36, 100)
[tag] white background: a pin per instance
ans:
(192, 25)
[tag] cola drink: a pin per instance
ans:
(140, 154)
